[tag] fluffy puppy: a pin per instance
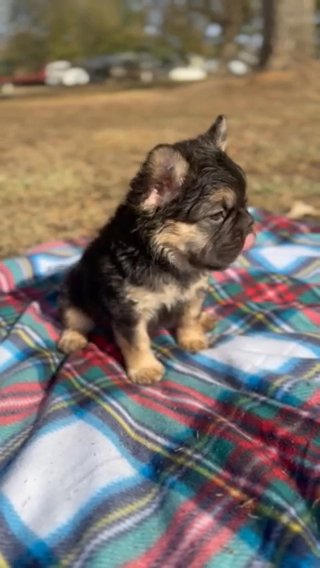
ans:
(184, 215)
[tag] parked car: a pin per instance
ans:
(64, 73)
(187, 73)
(23, 79)
(54, 72)
(139, 66)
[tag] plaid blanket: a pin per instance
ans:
(217, 466)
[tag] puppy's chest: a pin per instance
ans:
(149, 303)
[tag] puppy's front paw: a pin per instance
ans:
(71, 341)
(148, 374)
(207, 321)
(192, 342)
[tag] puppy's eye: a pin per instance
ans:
(217, 216)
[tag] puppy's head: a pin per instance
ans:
(191, 199)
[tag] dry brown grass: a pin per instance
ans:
(65, 161)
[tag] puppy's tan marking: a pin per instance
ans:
(77, 324)
(193, 342)
(190, 331)
(141, 364)
(225, 196)
(76, 319)
(71, 341)
(179, 235)
(151, 371)
(149, 302)
(207, 321)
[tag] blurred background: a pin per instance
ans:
(88, 86)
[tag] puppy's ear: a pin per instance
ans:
(218, 132)
(167, 171)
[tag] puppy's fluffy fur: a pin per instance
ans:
(184, 215)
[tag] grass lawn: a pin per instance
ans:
(65, 161)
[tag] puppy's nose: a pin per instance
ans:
(248, 219)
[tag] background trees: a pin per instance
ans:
(289, 32)
(43, 30)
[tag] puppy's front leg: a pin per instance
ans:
(77, 326)
(141, 364)
(193, 324)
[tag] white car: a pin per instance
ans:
(75, 76)
(63, 73)
(187, 73)
(54, 72)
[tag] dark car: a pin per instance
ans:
(135, 66)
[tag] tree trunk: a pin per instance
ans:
(289, 33)
(234, 13)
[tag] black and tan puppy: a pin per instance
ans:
(184, 215)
